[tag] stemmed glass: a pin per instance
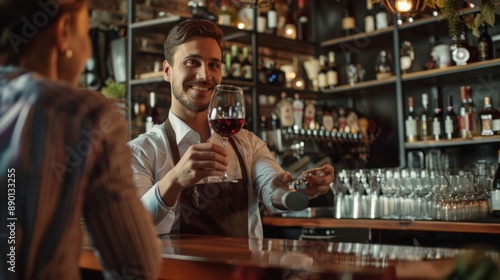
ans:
(226, 114)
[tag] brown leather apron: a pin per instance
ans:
(213, 208)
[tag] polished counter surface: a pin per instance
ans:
(216, 257)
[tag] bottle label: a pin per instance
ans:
(236, 70)
(381, 18)
(246, 72)
(348, 23)
(495, 200)
(448, 125)
(495, 126)
(411, 128)
(483, 50)
(486, 125)
(369, 24)
(332, 78)
(322, 80)
(328, 122)
(436, 129)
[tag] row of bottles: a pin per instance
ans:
(376, 17)
(236, 67)
(295, 25)
(296, 115)
(143, 121)
(437, 125)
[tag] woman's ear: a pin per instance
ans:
(63, 32)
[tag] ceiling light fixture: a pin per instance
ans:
(404, 9)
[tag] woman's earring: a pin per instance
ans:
(68, 53)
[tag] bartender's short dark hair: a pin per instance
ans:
(188, 29)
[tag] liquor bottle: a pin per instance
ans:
(263, 72)
(451, 121)
(328, 122)
(487, 115)
(485, 44)
(383, 67)
(437, 122)
(381, 16)
(425, 130)
(272, 19)
(369, 17)
(302, 22)
(411, 122)
(476, 121)
(341, 120)
(153, 116)
(235, 63)
(285, 111)
(495, 191)
(332, 74)
(290, 29)
(227, 62)
(322, 75)
(246, 66)
(319, 115)
(464, 115)
(298, 112)
(310, 114)
(348, 20)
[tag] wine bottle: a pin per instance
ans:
(381, 16)
(298, 112)
(464, 115)
(369, 17)
(495, 191)
(285, 111)
(153, 116)
(310, 115)
(332, 74)
(348, 20)
(322, 75)
(227, 62)
(235, 63)
(302, 22)
(450, 121)
(411, 122)
(488, 115)
(246, 66)
(328, 122)
(485, 44)
(437, 123)
(290, 29)
(272, 19)
(475, 122)
(425, 130)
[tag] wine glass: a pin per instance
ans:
(226, 114)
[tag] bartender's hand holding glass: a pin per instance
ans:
(226, 114)
(314, 182)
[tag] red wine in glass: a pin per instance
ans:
(227, 127)
(226, 113)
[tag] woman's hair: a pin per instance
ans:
(22, 20)
(187, 29)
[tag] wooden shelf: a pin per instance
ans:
(453, 142)
(434, 226)
(362, 85)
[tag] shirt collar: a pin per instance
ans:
(182, 131)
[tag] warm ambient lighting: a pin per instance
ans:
(251, 3)
(404, 8)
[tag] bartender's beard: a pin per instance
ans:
(191, 106)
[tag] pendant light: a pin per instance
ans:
(404, 8)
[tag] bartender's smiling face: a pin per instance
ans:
(195, 71)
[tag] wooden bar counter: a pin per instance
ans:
(215, 257)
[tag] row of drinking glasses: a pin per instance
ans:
(413, 194)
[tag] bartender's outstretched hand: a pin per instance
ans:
(318, 181)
